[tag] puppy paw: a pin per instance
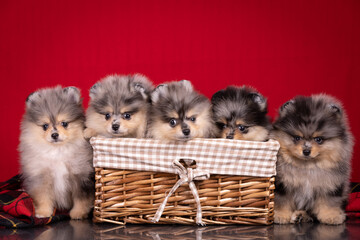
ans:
(282, 217)
(300, 216)
(89, 133)
(332, 216)
(43, 212)
(333, 220)
(81, 209)
(78, 213)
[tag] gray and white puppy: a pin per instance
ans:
(179, 113)
(56, 160)
(240, 113)
(118, 107)
(313, 166)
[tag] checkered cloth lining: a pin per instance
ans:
(218, 156)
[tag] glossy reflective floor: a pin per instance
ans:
(67, 230)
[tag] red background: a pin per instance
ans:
(283, 48)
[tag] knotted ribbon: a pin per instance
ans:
(187, 174)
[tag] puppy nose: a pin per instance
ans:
(186, 131)
(55, 136)
(306, 152)
(229, 136)
(115, 127)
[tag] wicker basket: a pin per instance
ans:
(133, 196)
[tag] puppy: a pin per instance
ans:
(118, 107)
(179, 113)
(56, 160)
(313, 166)
(240, 113)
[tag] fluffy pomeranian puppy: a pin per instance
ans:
(118, 107)
(313, 166)
(179, 113)
(56, 160)
(240, 113)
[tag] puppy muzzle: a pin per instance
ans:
(115, 127)
(307, 149)
(230, 134)
(306, 152)
(185, 129)
(55, 136)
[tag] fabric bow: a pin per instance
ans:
(187, 174)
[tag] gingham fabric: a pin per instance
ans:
(218, 156)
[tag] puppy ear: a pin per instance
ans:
(335, 109)
(73, 93)
(94, 89)
(31, 98)
(159, 90)
(259, 100)
(138, 87)
(217, 96)
(139, 78)
(286, 107)
(187, 84)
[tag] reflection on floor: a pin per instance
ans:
(87, 230)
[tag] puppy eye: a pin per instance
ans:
(172, 122)
(107, 116)
(193, 119)
(242, 128)
(127, 116)
(64, 124)
(297, 138)
(45, 126)
(318, 140)
(221, 125)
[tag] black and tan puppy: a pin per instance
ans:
(118, 107)
(179, 113)
(240, 113)
(313, 166)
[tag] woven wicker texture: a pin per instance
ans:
(134, 197)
